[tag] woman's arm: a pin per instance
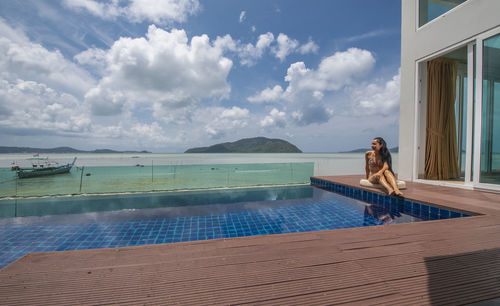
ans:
(367, 168)
(384, 167)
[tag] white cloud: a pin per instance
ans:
(253, 28)
(148, 133)
(24, 60)
(318, 95)
(333, 73)
(312, 114)
(305, 93)
(12, 35)
(226, 43)
(235, 113)
(223, 120)
(28, 105)
(371, 34)
(162, 67)
(92, 57)
(310, 47)
(40, 91)
(136, 135)
(274, 119)
(164, 11)
(105, 102)
(267, 95)
(264, 41)
(377, 99)
(249, 53)
(285, 46)
(242, 16)
(175, 114)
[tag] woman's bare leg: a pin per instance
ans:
(373, 179)
(386, 185)
(392, 180)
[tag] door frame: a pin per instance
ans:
(474, 114)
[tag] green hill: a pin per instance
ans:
(363, 150)
(249, 145)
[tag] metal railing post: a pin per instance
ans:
(81, 178)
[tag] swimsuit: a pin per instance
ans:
(374, 166)
(372, 162)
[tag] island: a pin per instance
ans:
(363, 150)
(249, 145)
(61, 150)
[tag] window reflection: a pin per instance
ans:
(431, 9)
(490, 123)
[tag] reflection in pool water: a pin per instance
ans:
(129, 220)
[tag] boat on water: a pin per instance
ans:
(43, 169)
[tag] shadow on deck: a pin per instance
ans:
(453, 261)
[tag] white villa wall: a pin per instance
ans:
(453, 29)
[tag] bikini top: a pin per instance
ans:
(372, 162)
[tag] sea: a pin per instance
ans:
(144, 172)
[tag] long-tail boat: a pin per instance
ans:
(43, 170)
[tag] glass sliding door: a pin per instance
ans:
(459, 118)
(490, 112)
(446, 112)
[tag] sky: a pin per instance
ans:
(165, 76)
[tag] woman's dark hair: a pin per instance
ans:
(384, 152)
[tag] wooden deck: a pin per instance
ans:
(455, 261)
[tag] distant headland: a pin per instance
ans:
(363, 150)
(249, 145)
(20, 150)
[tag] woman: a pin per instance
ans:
(379, 167)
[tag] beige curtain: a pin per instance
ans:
(441, 162)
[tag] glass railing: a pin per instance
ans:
(106, 177)
(146, 178)
(152, 205)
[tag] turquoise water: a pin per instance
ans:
(112, 173)
(112, 179)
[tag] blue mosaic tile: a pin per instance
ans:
(424, 211)
(407, 206)
(444, 213)
(433, 217)
(369, 197)
(387, 201)
(434, 212)
(392, 203)
(415, 209)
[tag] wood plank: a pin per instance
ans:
(451, 261)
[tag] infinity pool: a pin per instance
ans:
(73, 223)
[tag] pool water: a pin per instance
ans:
(129, 220)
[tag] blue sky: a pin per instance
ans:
(168, 75)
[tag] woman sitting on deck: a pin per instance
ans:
(379, 167)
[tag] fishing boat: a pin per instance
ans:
(44, 169)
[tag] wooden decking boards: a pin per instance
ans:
(454, 261)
